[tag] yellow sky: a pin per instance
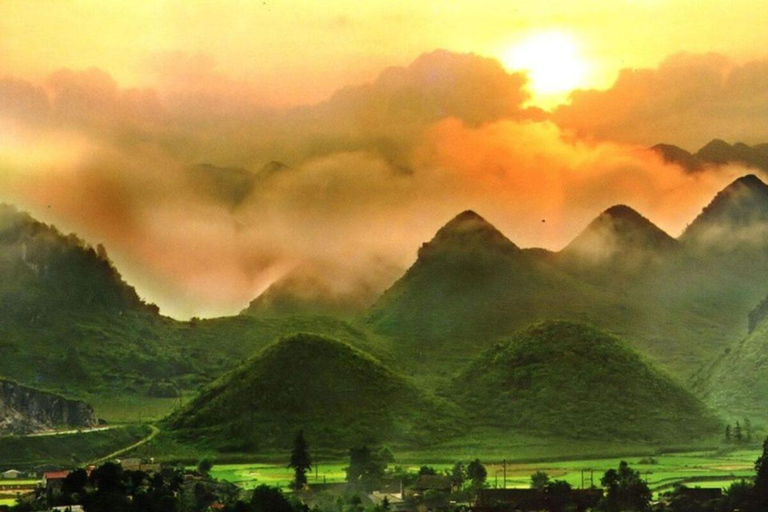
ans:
(446, 131)
(280, 44)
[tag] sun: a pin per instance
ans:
(553, 62)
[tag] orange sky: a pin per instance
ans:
(391, 117)
(276, 45)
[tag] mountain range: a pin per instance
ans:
(715, 152)
(72, 325)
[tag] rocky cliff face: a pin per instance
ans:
(25, 410)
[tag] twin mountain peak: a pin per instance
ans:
(743, 201)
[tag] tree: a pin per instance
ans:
(426, 470)
(204, 466)
(557, 495)
(458, 475)
(75, 482)
(737, 433)
(748, 429)
(300, 461)
(625, 490)
(761, 479)
(539, 480)
(728, 433)
(680, 500)
(108, 478)
(477, 473)
(435, 500)
(203, 496)
(269, 499)
(738, 496)
(366, 467)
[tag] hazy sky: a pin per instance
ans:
(276, 45)
(153, 127)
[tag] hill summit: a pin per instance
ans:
(338, 395)
(468, 270)
(738, 214)
(619, 232)
(569, 379)
(43, 272)
(470, 285)
(467, 233)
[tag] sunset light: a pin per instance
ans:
(391, 255)
(553, 62)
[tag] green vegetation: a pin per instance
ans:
(70, 324)
(737, 383)
(469, 286)
(300, 461)
(572, 380)
(338, 395)
(67, 449)
(704, 469)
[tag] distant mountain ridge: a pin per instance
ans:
(469, 288)
(677, 301)
(715, 152)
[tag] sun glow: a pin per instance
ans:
(553, 63)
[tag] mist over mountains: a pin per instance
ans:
(206, 199)
(714, 153)
(681, 304)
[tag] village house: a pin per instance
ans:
(46, 468)
(393, 499)
(11, 474)
(136, 464)
(430, 483)
(54, 480)
(67, 508)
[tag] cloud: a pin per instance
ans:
(204, 196)
(688, 100)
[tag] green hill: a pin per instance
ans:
(45, 272)
(338, 395)
(70, 324)
(566, 379)
(737, 382)
(67, 318)
(470, 285)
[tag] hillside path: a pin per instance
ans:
(121, 451)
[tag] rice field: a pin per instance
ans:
(703, 469)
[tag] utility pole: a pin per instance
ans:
(505, 473)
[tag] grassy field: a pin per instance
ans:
(134, 409)
(703, 469)
(251, 475)
(67, 449)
